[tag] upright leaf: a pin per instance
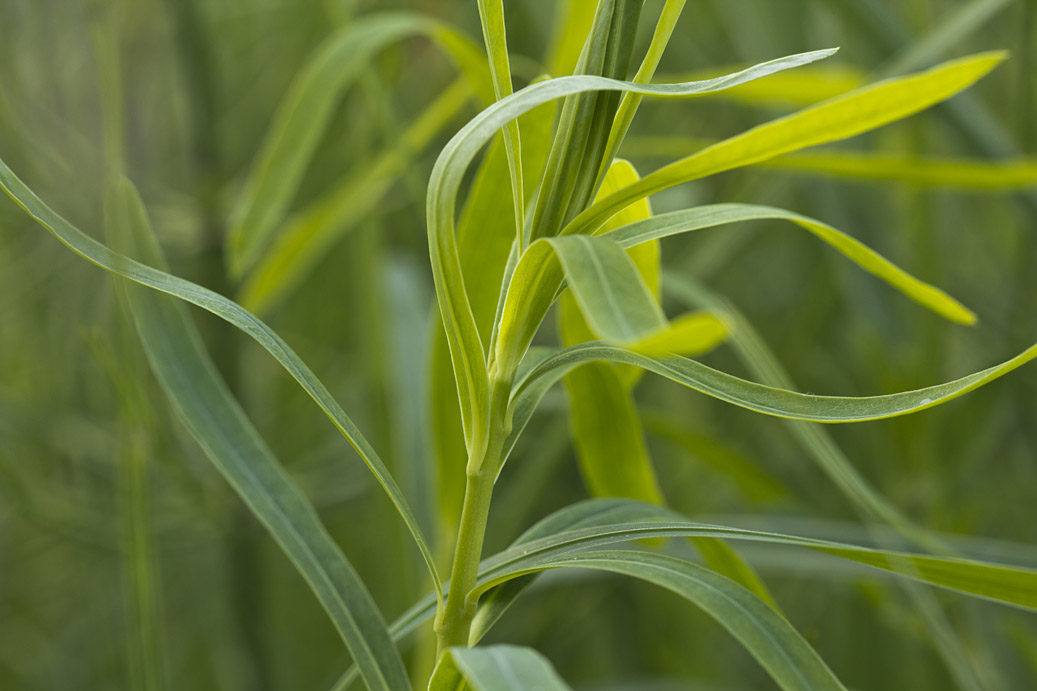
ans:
(306, 110)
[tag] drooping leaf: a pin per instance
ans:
(595, 523)
(760, 398)
(868, 259)
(218, 424)
(102, 256)
(764, 633)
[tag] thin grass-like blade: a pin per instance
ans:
(596, 523)
(765, 399)
(840, 118)
(306, 110)
(491, 15)
(309, 234)
(764, 633)
(668, 17)
(102, 256)
(712, 215)
(496, 668)
(964, 173)
(218, 424)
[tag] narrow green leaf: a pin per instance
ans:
(803, 87)
(964, 173)
(496, 668)
(668, 17)
(712, 215)
(484, 248)
(306, 110)
(842, 117)
(491, 15)
(308, 235)
(599, 522)
(766, 399)
(221, 428)
(764, 633)
(102, 256)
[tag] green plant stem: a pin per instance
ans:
(454, 621)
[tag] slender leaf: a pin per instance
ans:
(842, 117)
(491, 15)
(102, 256)
(964, 173)
(306, 110)
(760, 398)
(709, 216)
(218, 424)
(768, 636)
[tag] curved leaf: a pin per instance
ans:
(598, 522)
(863, 256)
(220, 427)
(102, 256)
(757, 397)
(842, 117)
(306, 109)
(768, 636)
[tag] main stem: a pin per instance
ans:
(454, 622)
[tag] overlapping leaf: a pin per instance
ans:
(304, 114)
(218, 424)
(99, 254)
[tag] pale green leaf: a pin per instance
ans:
(309, 234)
(839, 118)
(712, 215)
(466, 350)
(491, 15)
(306, 110)
(496, 668)
(964, 173)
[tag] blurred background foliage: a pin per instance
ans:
(184, 91)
